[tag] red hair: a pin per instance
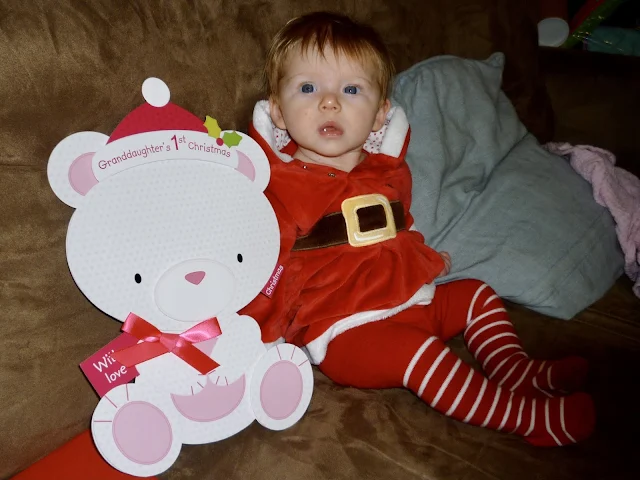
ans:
(343, 35)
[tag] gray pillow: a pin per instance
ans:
(510, 213)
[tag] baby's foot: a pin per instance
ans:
(526, 376)
(558, 421)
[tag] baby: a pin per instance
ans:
(357, 289)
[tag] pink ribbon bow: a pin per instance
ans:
(156, 343)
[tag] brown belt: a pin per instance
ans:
(331, 230)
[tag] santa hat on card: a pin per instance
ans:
(158, 113)
(151, 132)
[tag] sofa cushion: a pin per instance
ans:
(507, 211)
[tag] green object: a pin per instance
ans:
(231, 139)
(600, 14)
(212, 127)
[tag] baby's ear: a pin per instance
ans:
(276, 114)
(381, 115)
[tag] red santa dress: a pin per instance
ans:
(372, 317)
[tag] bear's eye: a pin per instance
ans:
(240, 257)
(138, 278)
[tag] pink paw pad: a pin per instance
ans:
(281, 390)
(142, 433)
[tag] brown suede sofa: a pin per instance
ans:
(69, 65)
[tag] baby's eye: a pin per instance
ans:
(351, 90)
(307, 88)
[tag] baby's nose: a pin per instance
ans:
(330, 102)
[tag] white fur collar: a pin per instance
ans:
(389, 140)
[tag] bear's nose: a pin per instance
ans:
(195, 277)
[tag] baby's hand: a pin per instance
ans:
(447, 263)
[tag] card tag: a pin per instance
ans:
(271, 285)
(105, 373)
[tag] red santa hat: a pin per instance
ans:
(156, 130)
(158, 113)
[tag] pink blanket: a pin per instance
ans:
(613, 188)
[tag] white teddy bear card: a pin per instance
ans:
(172, 235)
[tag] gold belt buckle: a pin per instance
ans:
(358, 238)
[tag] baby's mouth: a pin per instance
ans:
(330, 129)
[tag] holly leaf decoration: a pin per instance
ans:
(211, 124)
(231, 139)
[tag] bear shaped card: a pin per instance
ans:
(172, 235)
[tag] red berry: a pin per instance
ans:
(219, 141)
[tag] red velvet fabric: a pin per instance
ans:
(322, 286)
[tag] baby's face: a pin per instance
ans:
(329, 104)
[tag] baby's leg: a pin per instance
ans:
(472, 307)
(389, 354)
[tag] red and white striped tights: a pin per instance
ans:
(518, 394)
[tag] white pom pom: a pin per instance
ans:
(155, 92)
